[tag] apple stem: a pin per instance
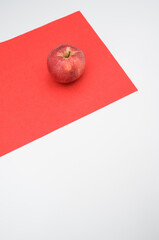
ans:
(68, 54)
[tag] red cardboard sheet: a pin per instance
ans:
(31, 103)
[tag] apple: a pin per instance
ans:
(66, 63)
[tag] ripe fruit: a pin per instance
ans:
(66, 63)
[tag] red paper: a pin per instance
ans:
(31, 103)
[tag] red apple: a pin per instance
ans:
(66, 63)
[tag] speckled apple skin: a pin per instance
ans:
(66, 70)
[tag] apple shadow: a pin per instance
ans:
(54, 83)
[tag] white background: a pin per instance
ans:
(96, 178)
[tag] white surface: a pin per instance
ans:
(96, 178)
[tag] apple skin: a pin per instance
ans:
(66, 63)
